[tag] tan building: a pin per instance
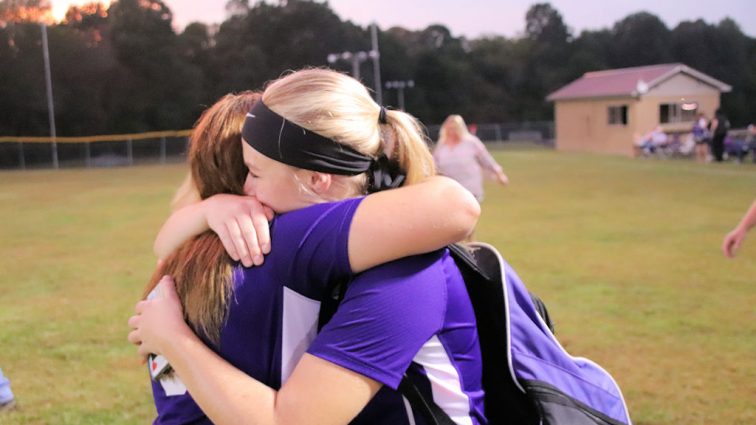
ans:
(605, 111)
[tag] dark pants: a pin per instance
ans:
(717, 147)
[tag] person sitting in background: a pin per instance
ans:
(463, 157)
(751, 141)
(734, 239)
(652, 141)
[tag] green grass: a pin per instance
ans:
(625, 253)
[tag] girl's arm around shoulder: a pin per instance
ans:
(317, 393)
(410, 220)
(241, 223)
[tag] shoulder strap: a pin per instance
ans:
(333, 296)
(465, 261)
(429, 409)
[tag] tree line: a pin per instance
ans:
(124, 68)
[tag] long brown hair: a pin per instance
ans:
(201, 267)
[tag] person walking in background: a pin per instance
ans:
(734, 239)
(7, 401)
(463, 157)
(718, 128)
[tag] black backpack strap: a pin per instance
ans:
(540, 307)
(428, 408)
(465, 260)
(330, 302)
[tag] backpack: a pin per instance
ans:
(528, 378)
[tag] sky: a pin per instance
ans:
(475, 18)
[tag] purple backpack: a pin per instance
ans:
(527, 376)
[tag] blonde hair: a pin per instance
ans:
(201, 267)
(340, 108)
(456, 122)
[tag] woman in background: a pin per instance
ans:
(463, 157)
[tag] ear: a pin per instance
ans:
(320, 183)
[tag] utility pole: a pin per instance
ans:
(48, 86)
(376, 64)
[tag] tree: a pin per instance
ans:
(25, 11)
(544, 24)
(154, 87)
(640, 39)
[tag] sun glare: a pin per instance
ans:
(60, 7)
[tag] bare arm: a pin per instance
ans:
(386, 226)
(488, 163)
(318, 392)
(734, 239)
(241, 223)
(410, 220)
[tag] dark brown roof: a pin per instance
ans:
(628, 81)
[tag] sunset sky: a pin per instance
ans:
(479, 17)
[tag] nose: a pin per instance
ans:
(248, 190)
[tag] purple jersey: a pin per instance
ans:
(274, 311)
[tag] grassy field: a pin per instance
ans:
(625, 253)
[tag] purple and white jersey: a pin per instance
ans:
(411, 315)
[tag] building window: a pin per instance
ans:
(618, 115)
(677, 112)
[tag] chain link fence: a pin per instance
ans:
(21, 153)
(97, 151)
(536, 132)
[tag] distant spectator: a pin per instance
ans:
(735, 238)
(751, 141)
(718, 127)
(463, 157)
(7, 402)
(736, 147)
(701, 137)
(473, 128)
(652, 141)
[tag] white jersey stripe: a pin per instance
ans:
(299, 328)
(444, 379)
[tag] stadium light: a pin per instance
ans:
(355, 57)
(361, 56)
(399, 86)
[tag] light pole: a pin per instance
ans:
(376, 64)
(400, 85)
(361, 56)
(48, 87)
(355, 57)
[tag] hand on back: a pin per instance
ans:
(241, 223)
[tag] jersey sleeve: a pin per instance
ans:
(318, 237)
(388, 313)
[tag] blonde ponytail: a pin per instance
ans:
(408, 146)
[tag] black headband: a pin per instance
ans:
(280, 139)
